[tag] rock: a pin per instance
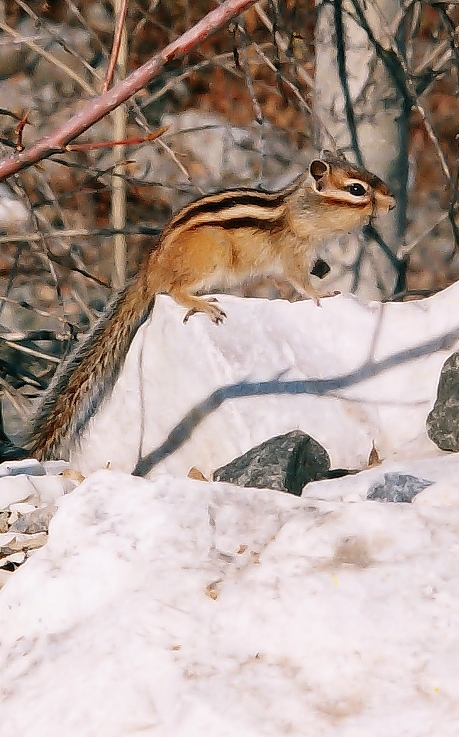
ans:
(36, 521)
(15, 489)
(443, 421)
(26, 541)
(397, 487)
(285, 463)
(29, 466)
(15, 558)
(22, 508)
(387, 402)
(14, 216)
(4, 521)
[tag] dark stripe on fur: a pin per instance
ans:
(249, 197)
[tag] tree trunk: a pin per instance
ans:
(359, 110)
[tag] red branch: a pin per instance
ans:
(99, 106)
(120, 22)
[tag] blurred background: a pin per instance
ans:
(248, 107)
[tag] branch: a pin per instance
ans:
(98, 107)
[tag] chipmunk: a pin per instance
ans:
(219, 238)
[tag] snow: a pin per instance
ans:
(173, 608)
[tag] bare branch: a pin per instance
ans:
(120, 28)
(98, 107)
(49, 57)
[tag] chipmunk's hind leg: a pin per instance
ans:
(199, 304)
(191, 262)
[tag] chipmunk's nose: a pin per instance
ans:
(385, 201)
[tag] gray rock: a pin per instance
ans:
(4, 521)
(443, 421)
(36, 521)
(29, 466)
(284, 463)
(397, 487)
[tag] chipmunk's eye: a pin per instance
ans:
(356, 189)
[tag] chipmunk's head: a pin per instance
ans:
(350, 193)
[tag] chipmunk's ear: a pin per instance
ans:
(319, 171)
(327, 154)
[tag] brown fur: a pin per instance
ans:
(218, 240)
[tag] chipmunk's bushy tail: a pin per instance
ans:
(82, 381)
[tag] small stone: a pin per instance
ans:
(29, 466)
(283, 463)
(14, 516)
(27, 542)
(6, 538)
(397, 487)
(443, 421)
(16, 558)
(36, 521)
(4, 521)
(22, 507)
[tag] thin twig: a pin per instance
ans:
(119, 58)
(282, 43)
(26, 306)
(78, 233)
(32, 352)
(59, 40)
(87, 27)
(394, 62)
(119, 49)
(49, 57)
(13, 396)
(98, 107)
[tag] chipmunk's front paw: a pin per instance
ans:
(209, 306)
(330, 294)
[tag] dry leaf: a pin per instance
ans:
(373, 458)
(196, 474)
